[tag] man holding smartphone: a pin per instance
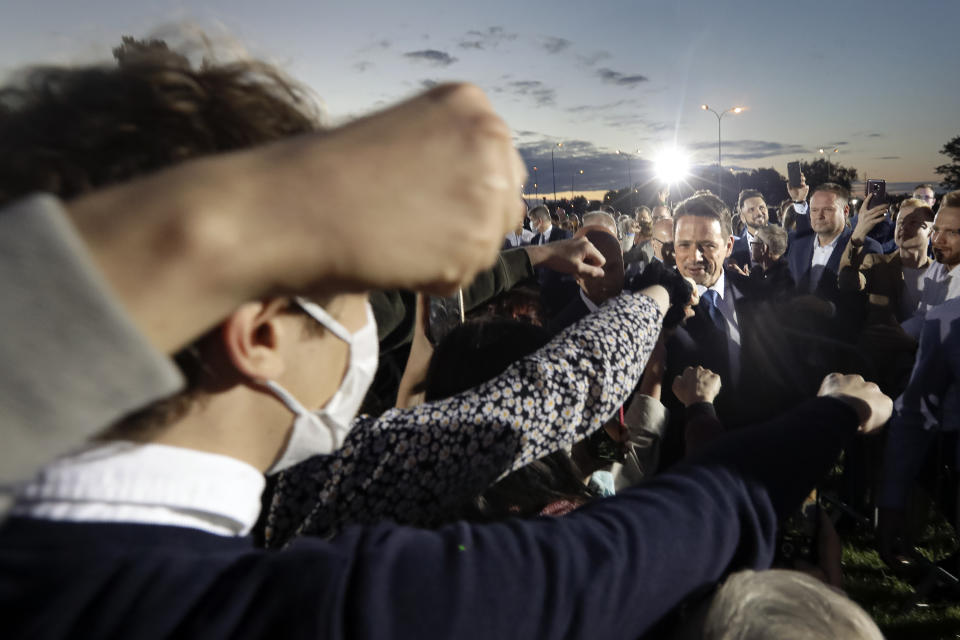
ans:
(815, 258)
(798, 189)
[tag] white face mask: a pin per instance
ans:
(323, 430)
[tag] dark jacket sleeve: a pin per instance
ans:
(395, 310)
(608, 570)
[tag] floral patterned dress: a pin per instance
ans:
(414, 466)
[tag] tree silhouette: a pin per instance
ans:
(822, 170)
(951, 172)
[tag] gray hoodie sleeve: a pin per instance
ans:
(73, 362)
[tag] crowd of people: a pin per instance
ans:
(251, 393)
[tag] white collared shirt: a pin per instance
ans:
(750, 240)
(821, 255)
(545, 235)
(520, 239)
(122, 481)
(728, 310)
(591, 306)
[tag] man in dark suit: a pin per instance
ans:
(711, 338)
(543, 227)
(814, 258)
(574, 298)
(753, 212)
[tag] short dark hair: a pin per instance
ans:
(539, 212)
(842, 193)
(748, 193)
(705, 205)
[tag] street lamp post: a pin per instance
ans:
(720, 141)
(573, 182)
(627, 154)
(826, 157)
(553, 168)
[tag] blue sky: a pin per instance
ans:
(869, 78)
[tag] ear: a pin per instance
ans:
(730, 241)
(252, 336)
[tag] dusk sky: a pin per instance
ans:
(876, 80)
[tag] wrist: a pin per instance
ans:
(536, 253)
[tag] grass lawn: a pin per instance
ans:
(891, 600)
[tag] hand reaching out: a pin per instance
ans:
(873, 407)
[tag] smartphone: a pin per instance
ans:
(446, 314)
(793, 174)
(878, 188)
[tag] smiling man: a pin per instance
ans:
(711, 338)
(942, 279)
(753, 212)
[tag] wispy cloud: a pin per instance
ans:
(429, 83)
(621, 79)
(362, 66)
(555, 45)
(594, 108)
(888, 158)
(380, 45)
(750, 149)
(482, 39)
(542, 95)
(593, 58)
(431, 56)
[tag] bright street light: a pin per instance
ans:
(671, 165)
(720, 115)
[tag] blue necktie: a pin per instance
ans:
(711, 299)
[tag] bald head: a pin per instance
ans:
(661, 211)
(600, 219)
(662, 236)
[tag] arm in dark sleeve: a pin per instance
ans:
(395, 310)
(608, 570)
(702, 426)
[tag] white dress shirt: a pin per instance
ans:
(545, 234)
(148, 484)
(821, 255)
(520, 239)
(940, 284)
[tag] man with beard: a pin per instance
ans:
(753, 213)
(942, 280)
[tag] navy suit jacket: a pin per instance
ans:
(556, 233)
(741, 251)
(800, 257)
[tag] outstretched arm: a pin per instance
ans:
(418, 465)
